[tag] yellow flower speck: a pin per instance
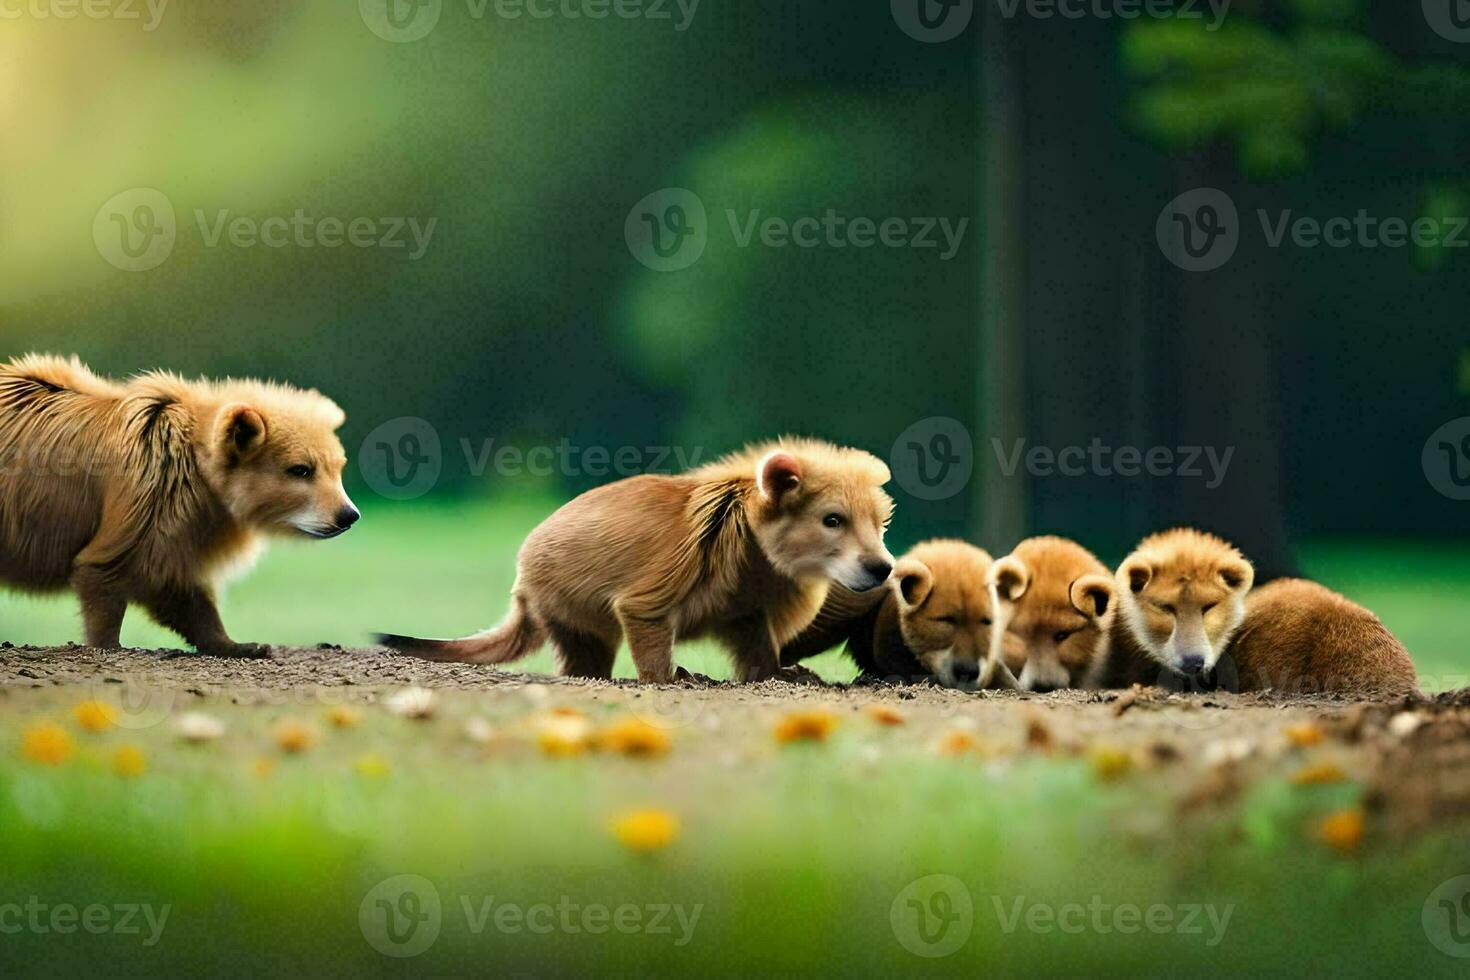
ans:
(294, 737)
(634, 736)
(885, 714)
(1342, 830)
(129, 761)
(95, 716)
(1319, 774)
(646, 831)
(46, 743)
(372, 765)
(1109, 763)
(344, 716)
(806, 726)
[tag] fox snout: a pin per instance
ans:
(871, 573)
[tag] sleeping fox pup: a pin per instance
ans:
(1062, 610)
(150, 491)
(937, 621)
(742, 549)
(1187, 608)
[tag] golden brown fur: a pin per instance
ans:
(1062, 608)
(1302, 637)
(1189, 593)
(148, 491)
(738, 549)
(935, 621)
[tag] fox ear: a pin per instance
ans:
(912, 582)
(1010, 577)
(1091, 595)
(239, 432)
(1237, 574)
(1137, 572)
(777, 474)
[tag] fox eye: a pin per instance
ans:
(1209, 607)
(1165, 607)
(985, 621)
(832, 520)
(946, 620)
(1062, 635)
(300, 471)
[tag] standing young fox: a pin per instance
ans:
(149, 491)
(742, 549)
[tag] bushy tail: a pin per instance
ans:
(516, 636)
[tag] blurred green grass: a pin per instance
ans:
(445, 569)
(797, 856)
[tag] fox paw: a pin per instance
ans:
(680, 674)
(797, 674)
(239, 651)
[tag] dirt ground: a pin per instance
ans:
(1413, 755)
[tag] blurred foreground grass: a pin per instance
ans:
(447, 569)
(797, 859)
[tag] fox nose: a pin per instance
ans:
(1192, 663)
(347, 516)
(965, 671)
(878, 568)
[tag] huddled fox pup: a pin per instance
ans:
(1186, 607)
(150, 491)
(743, 549)
(939, 621)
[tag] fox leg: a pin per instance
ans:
(652, 643)
(103, 606)
(581, 654)
(753, 649)
(192, 614)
